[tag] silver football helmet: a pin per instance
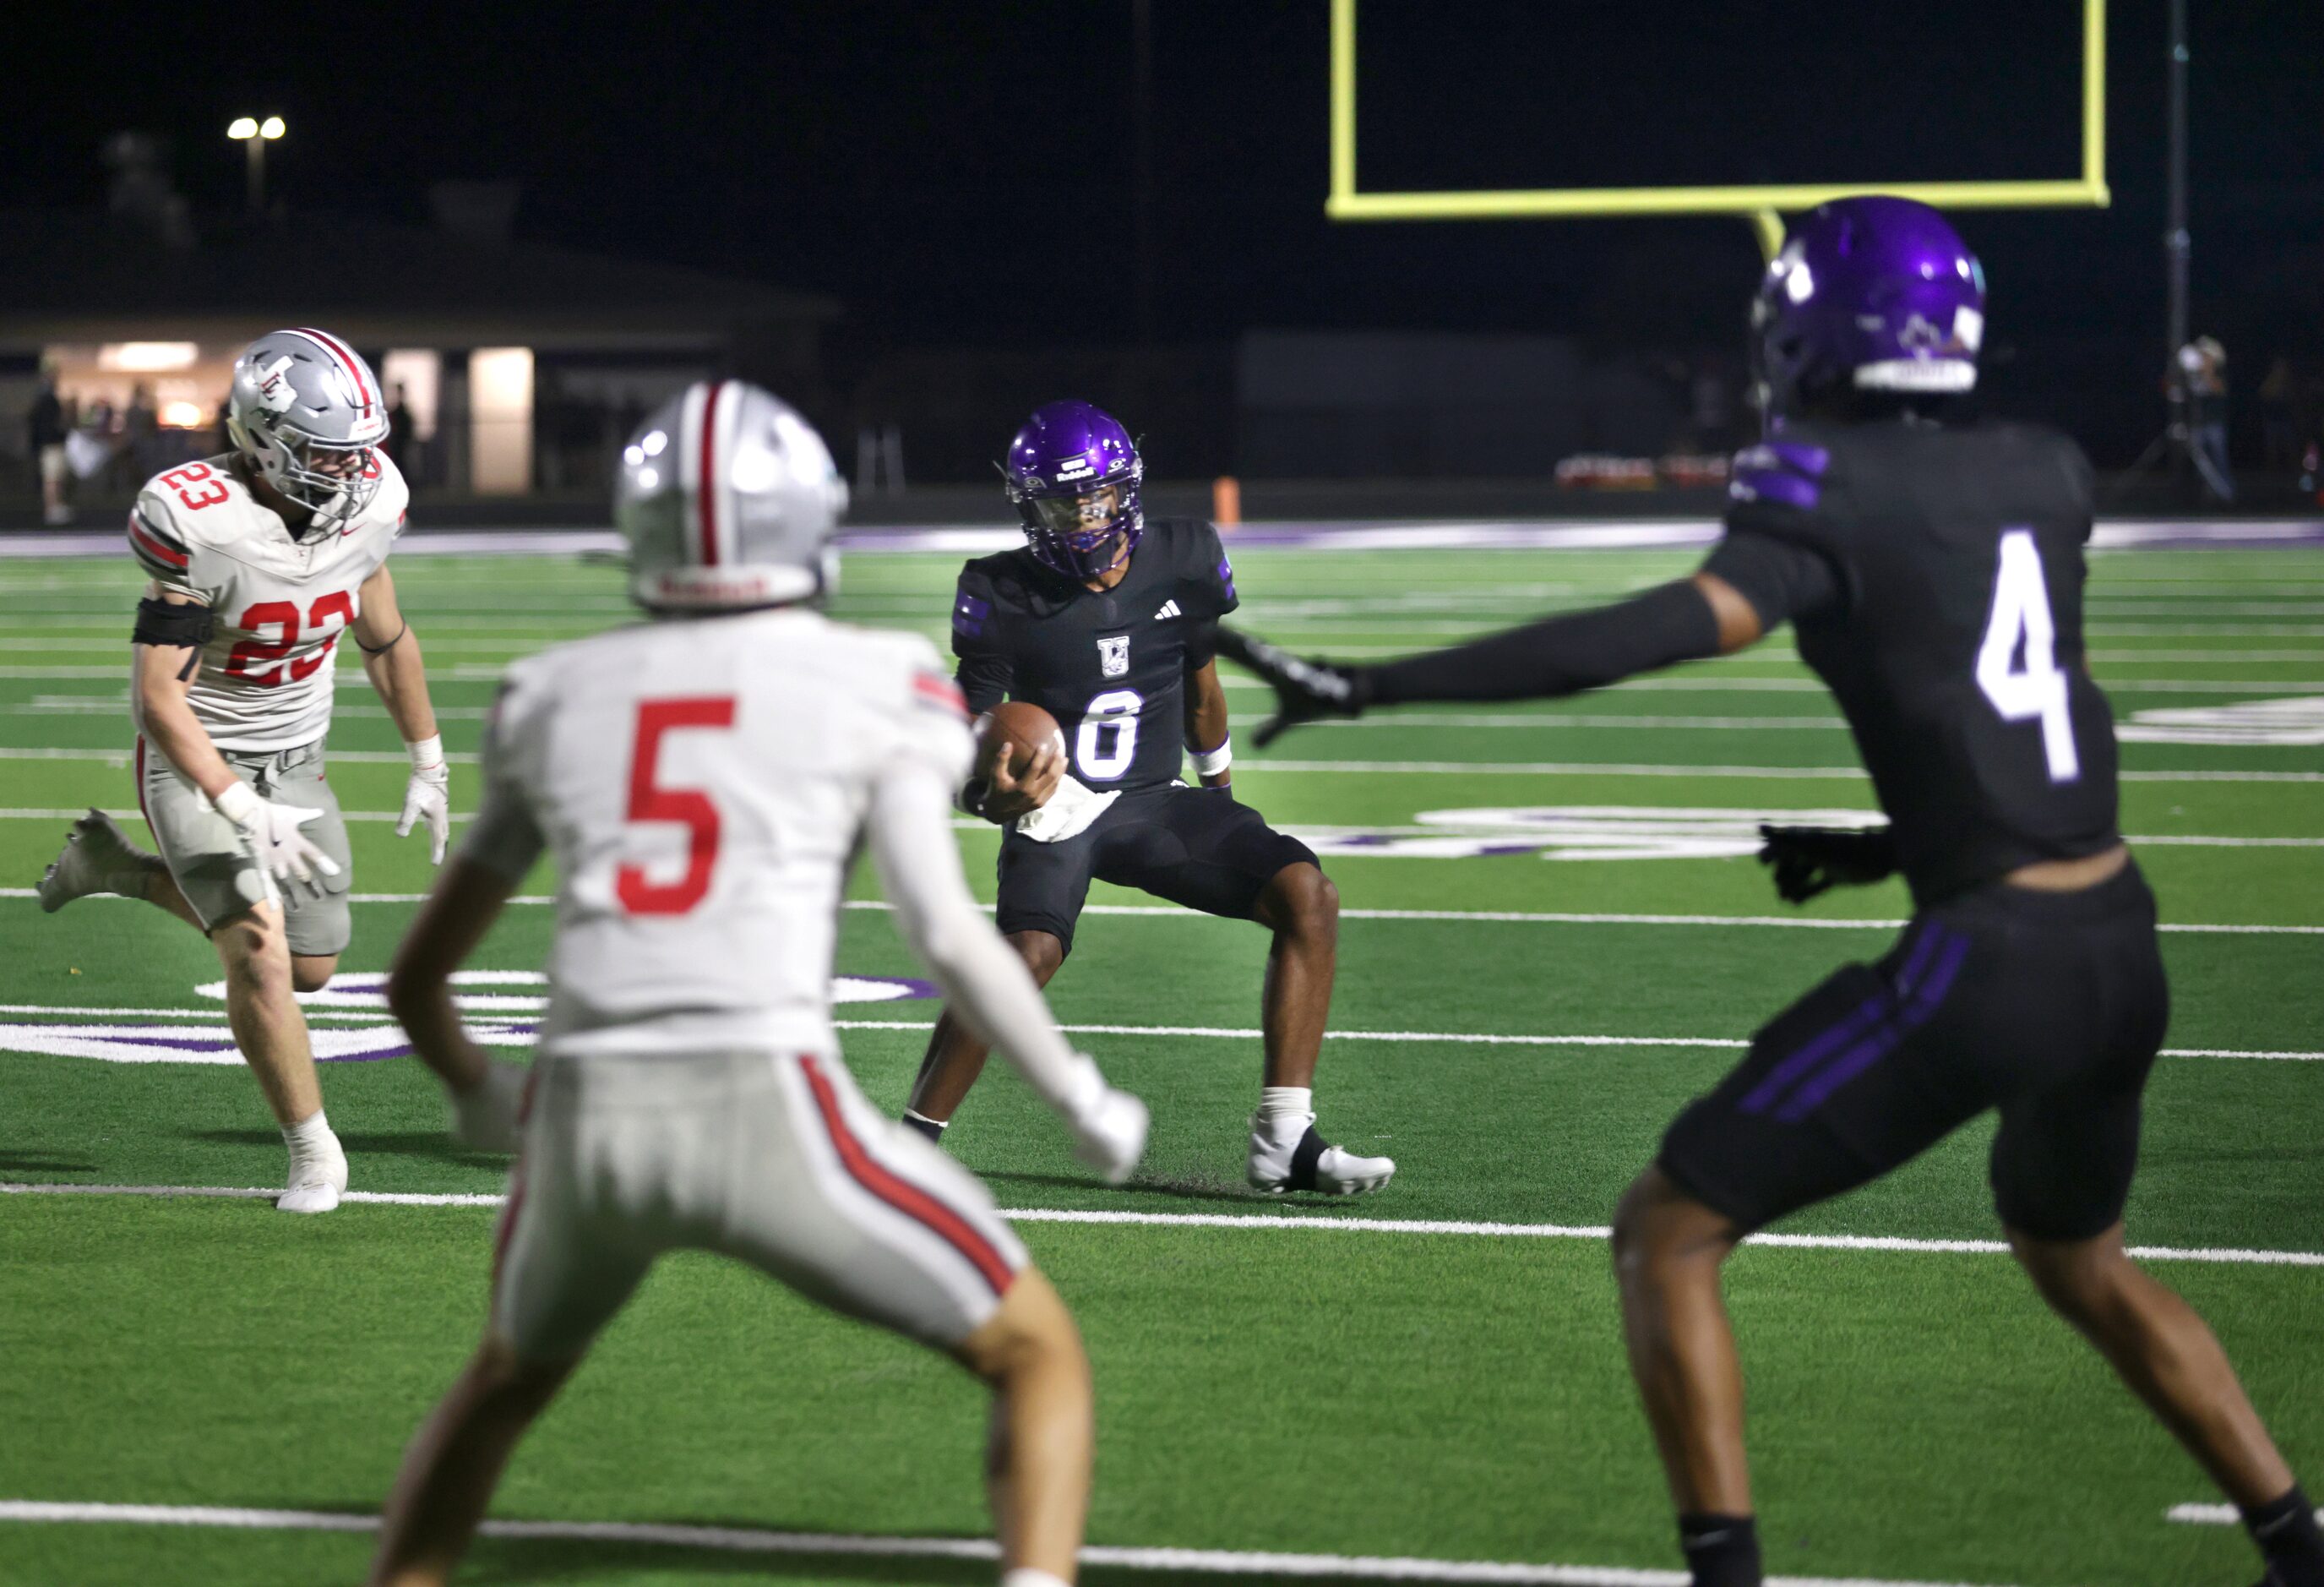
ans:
(728, 499)
(306, 409)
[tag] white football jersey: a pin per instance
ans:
(281, 603)
(702, 784)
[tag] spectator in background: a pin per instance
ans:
(1711, 404)
(403, 443)
(141, 432)
(2203, 366)
(46, 429)
(2278, 426)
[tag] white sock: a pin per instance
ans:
(1026, 1576)
(310, 1137)
(1286, 1110)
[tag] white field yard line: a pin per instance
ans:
(120, 757)
(1217, 1562)
(74, 814)
(1270, 1222)
(1616, 769)
(2153, 840)
(65, 1011)
(2212, 1515)
(1484, 916)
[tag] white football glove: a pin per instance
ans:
(429, 795)
(489, 1115)
(284, 853)
(1109, 1126)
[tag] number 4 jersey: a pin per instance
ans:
(1934, 576)
(281, 603)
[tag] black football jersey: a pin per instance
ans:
(1946, 619)
(1111, 666)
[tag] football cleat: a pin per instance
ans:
(1311, 1166)
(96, 858)
(317, 1181)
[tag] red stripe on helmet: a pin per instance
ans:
(347, 359)
(705, 482)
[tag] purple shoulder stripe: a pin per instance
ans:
(1769, 485)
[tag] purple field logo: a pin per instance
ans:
(348, 1021)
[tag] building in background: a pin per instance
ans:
(512, 368)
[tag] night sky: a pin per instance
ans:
(962, 173)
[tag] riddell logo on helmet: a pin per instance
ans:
(1079, 468)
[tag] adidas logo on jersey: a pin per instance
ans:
(1169, 609)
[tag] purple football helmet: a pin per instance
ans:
(1873, 293)
(1074, 472)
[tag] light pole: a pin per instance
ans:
(254, 136)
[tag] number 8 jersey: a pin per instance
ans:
(1110, 665)
(265, 680)
(1934, 576)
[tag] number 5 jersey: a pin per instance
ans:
(265, 678)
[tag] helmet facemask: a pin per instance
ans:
(334, 482)
(1086, 535)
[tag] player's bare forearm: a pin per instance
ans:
(1206, 717)
(163, 677)
(391, 660)
(467, 899)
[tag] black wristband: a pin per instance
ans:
(173, 624)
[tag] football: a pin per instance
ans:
(1017, 728)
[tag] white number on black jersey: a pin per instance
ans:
(1105, 745)
(2035, 691)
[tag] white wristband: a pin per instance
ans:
(1212, 763)
(236, 802)
(427, 753)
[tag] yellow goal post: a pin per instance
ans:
(1763, 204)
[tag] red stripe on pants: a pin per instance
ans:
(907, 1198)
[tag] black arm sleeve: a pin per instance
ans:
(1202, 645)
(1782, 580)
(166, 622)
(1560, 655)
(983, 678)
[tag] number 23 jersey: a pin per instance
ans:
(1940, 599)
(1110, 665)
(265, 679)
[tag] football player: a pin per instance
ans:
(704, 780)
(1932, 570)
(1108, 621)
(257, 562)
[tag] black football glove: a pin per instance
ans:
(1811, 860)
(1304, 690)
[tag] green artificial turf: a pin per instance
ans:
(1916, 1415)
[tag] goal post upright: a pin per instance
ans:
(1763, 204)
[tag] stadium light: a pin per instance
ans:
(1761, 205)
(253, 136)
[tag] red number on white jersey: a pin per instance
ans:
(284, 616)
(214, 489)
(687, 806)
